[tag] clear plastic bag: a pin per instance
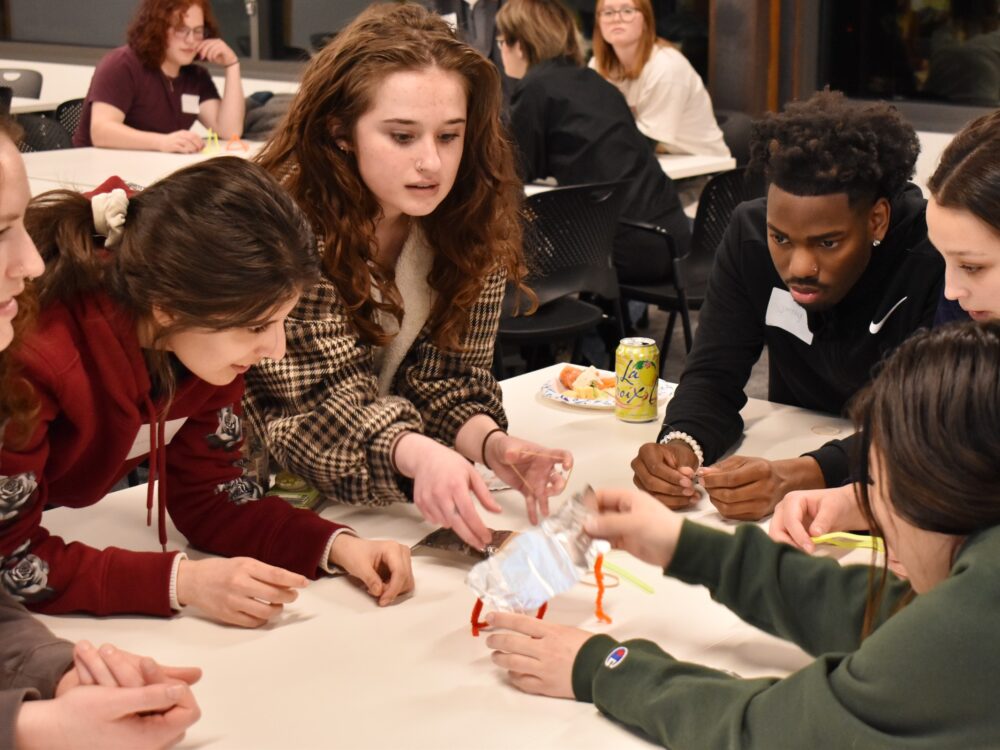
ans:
(542, 563)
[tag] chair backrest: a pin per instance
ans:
(735, 127)
(68, 114)
(723, 193)
(42, 134)
(569, 238)
(5, 96)
(23, 82)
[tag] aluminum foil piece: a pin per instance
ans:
(542, 563)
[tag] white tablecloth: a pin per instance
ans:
(337, 671)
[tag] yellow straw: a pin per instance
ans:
(849, 541)
(630, 577)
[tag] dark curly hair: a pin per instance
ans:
(828, 145)
(153, 19)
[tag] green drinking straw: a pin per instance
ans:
(630, 577)
(848, 540)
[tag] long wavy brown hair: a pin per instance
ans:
(18, 404)
(475, 231)
(147, 32)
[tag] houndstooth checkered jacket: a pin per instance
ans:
(319, 412)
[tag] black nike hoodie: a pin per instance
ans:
(847, 341)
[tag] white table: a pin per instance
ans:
(336, 671)
(682, 166)
(20, 105)
(676, 167)
(86, 168)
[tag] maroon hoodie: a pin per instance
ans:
(96, 423)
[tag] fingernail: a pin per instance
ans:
(107, 649)
(590, 525)
(84, 645)
(175, 691)
(489, 618)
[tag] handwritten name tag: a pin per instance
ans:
(189, 104)
(785, 313)
(140, 446)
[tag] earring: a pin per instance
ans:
(876, 242)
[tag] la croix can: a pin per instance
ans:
(637, 371)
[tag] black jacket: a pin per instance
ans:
(571, 124)
(823, 375)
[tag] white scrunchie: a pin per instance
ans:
(109, 215)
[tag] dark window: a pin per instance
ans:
(932, 50)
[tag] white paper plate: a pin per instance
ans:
(554, 391)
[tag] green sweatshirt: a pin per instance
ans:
(928, 677)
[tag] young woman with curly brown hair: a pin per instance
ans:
(394, 149)
(147, 94)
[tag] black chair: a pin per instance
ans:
(735, 127)
(68, 115)
(42, 134)
(568, 241)
(5, 96)
(22, 82)
(686, 290)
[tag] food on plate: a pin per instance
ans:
(587, 383)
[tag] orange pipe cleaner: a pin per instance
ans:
(599, 578)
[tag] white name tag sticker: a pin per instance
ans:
(189, 104)
(140, 446)
(451, 19)
(785, 313)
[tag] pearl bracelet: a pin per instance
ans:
(691, 442)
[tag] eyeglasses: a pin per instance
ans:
(185, 32)
(626, 14)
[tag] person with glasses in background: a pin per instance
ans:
(147, 94)
(570, 124)
(666, 95)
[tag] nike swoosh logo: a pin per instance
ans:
(874, 327)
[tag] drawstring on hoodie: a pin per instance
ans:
(157, 472)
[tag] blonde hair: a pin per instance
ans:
(545, 29)
(608, 64)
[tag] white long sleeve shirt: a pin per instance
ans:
(671, 105)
